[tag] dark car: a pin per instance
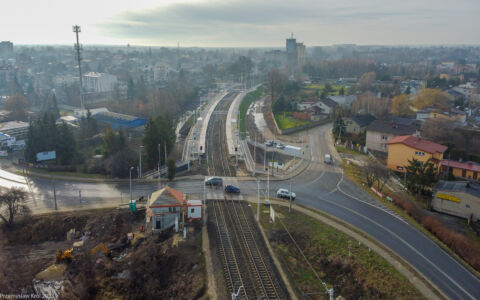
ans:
(232, 189)
(213, 181)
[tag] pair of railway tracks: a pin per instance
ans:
(245, 263)
(217, 154)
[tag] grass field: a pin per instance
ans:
(335, 87)
(352, 269)
(286, 121)
(243, 107)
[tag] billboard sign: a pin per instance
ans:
(48, 155)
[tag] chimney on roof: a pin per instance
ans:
(470, 163)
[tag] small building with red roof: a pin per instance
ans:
(164, 208)
(403, 148)
(467, 170)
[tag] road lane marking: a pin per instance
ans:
(403, 241)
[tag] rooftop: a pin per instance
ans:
(418, 143)
(329, 102)
(13, 125)
(363, 120)
(458, 186)
(166, 197)
(469, 165)
(117, 116)
(384, 126)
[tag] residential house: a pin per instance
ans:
(467, 170)
(357, 124)
(453, 115)
(401, 149)
(164, 208)
(301, 106)
(379, 132)
(302, 115)
(344, 100)
(326, 105)
(458, 198)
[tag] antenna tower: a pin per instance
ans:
(78, 48)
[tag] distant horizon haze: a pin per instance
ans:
(242, 23)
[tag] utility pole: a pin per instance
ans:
(78, 48)
(131, 198)
(268, 187)
(140, 162)
(55, 196)
(258, 200)
(80, 196)
(255, 153)
(291, 179)
(165, 144)
(159, 161)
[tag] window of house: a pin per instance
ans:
(467, 205)
(192, 210)
(419, 153)
(384, 137)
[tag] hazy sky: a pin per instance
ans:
(241, 22)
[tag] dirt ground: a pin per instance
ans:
(148, 267)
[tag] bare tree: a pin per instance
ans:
(12, 204)
(376, 174)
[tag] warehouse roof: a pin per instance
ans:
(459, 186)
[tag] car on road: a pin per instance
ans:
(232, 189)
(285, 194)
(213, 181)
(269, 143)
(280, 146)
(328, 159)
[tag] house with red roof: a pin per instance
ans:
(466, 170)
(164, 208)
(403, 148)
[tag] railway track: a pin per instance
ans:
(244, 256)
(216, 142)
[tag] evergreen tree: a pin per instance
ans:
(130, 89)
(109, 142)
(55, 110)
(65, 145)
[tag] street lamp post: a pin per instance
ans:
(131, 198)
(159, 160)
(258, 200)
(140, 163)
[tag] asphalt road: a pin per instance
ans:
(320, 186)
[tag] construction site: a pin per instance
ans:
(101, 254)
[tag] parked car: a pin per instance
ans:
(328, 159)
(269, 143)
(285, 194)
(232, 189)
(213, 181)
(280, 146)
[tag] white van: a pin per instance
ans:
(328, 159)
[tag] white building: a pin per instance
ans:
(99, 82)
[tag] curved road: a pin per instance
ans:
(320, 186)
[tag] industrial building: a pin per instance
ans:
(117, 120)
(99, 82)
(458, 198)
(16, 129)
